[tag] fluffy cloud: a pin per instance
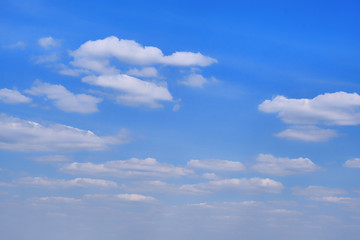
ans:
(194, 80)
(352, 163)
(94, 55)
(61, 183)
(64, 99)
(216, 165)
(12, 96)
(135, 91)
(133, 167)
(269, 164)
(48, 42)
(252, 185)
(307, 134)
(338, 108)
(144, 72)
(322, 194)
(21, 135)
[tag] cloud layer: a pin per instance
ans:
(21, 135)
(268, 164)
(338, 108)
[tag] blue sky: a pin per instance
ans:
(179, 120)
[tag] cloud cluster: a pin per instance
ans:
(64, 99)
(269, 164)
(96, 57)
(21, 135)
(339, 108)
(131, 168)
(12, 96)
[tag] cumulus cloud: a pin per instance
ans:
(135, 91)
(48, 42)
(322, 194)
(61, 183)
(121, 197)
(216, 165)
(339, 108)
(252, 185)
(352, 163)
(93, 53)
(12, 96)
(21, 135)
(144, 72)
(307, 134)
(64, 99)
(133, 167)
(269, 164)
(194, 80)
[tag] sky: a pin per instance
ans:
(179, 120)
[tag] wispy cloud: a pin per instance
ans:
(13, 96)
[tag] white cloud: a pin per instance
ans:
(135, 91)
(352, 163)
(12, 96)
(216, 165)
(307, 134)
(269, 164)
(61, 183)
(52, 158)
(64, 99)
(322, 194)
(133, 167)
(252, 185)
(121, 197)
(59, 199)
(94, 55)
(21, 135)
(144, 72)
(194, 80)
(48, 42)
(45, 58)
(339, 108)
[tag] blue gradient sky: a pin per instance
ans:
(179, 120)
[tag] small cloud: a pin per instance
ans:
(216, 165)
(176, 107)
(352, 163)
(12, 96)
(269, 164)
(308, 134)
(121, 197)
(61, 183)
(52, 158)
(144, 72)
(64, 99)
(18, 45)
(194, 80)
(45, 59)
(48, 42)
